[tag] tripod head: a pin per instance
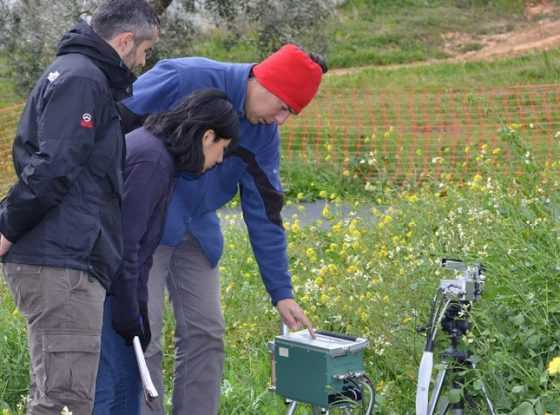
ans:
(455, 321)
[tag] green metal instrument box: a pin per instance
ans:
(312, 370)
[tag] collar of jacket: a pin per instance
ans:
(83, 40)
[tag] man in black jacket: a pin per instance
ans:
(60, 224)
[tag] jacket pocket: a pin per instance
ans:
(81, 228)
(70, 365)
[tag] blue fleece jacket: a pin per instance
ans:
(253, 168)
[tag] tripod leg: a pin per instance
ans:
(436, 394)
(292, 408)
(317, 410)
(491, 410)
(489, 404)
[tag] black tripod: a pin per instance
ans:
(454, 361)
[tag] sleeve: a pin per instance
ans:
(155, 91)
(66, 136)
(166, 84)
(130, 121)
(261, 202)
(143, 189)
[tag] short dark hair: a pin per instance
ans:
(182, 128)
(319, 60)
(119, 16)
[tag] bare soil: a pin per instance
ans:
(540, 32)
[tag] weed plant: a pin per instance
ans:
(375, 277)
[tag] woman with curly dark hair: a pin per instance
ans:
(190, 138)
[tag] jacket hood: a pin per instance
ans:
(83, 40)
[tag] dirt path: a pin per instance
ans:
(536, 35)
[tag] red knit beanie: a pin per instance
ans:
(291, 75)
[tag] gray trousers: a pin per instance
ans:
(64, 310)
(194, 291)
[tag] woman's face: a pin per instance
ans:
(213, 149)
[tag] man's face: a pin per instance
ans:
(263, 107)
(133, 52)
(137, 56)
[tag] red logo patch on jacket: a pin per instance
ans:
(87, 120)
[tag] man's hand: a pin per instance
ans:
(5, 245)
(293, 316)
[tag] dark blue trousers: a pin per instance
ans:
(118, 389)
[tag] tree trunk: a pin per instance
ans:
(160, 5)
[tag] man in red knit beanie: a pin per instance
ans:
(186, 262)
(290, 79)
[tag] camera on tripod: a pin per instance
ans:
(468, 287)
(450, 310)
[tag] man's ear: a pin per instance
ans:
(123, 43)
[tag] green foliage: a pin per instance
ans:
(14, 359)
(374, 275)
(31, 33)
(533, 68)
(308, 181)
(393, 32)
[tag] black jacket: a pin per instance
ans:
(65, 208)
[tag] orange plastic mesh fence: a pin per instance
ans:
(422, 134)
(9, 116)
(400, 134)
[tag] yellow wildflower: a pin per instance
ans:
(310, 252)
(326, 213)
(412, 198)
(554, 366)
(352, 269)
(295, 227)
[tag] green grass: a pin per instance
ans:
(533, 68)
(381, 33)
(376, 279)
(8, 95)
(369, 32)
(14, 359)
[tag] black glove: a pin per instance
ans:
(146, 332)
(128, 328)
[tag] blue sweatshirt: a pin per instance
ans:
(253, 168)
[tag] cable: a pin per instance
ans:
(444, 309)
(361, 388)
(369, 385)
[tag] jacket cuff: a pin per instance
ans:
(5, 230)
(281, 294)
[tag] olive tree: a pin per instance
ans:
(32, 28)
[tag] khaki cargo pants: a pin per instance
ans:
(64, 309)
